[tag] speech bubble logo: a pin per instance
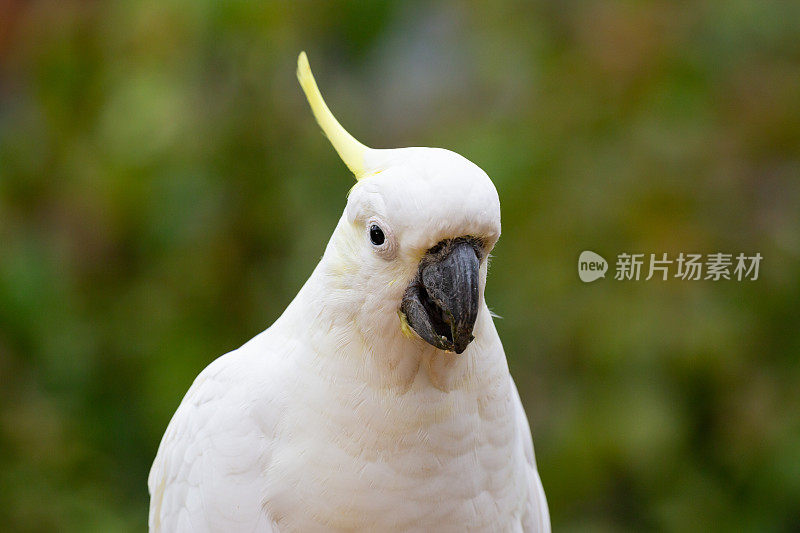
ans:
(591, 266)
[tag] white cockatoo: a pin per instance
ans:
(381, 399)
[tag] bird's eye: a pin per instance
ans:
(381, 237)
(376, 235)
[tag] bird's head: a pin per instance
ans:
(415, 236)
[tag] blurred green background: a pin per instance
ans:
(165, 191)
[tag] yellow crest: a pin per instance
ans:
(352, 152)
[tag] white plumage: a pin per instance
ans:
(339, 416)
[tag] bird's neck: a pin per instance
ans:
(327, 319)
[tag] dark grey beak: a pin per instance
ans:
(441, 303)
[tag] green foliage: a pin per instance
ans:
(164, 192)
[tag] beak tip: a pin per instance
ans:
(460, 344)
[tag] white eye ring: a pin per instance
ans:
(375, 228)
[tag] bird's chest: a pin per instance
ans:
(380, 463)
